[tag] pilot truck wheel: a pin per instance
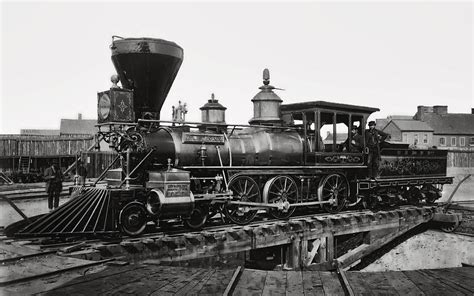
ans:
(133, 219)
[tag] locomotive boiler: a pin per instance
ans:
(192, 171)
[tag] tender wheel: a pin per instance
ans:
(281, 190)
(431, 193)
(449, 227)
(133, 219)
(197, 219)
(246, 189)
(414, 196)
(333, 187)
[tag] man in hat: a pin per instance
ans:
(373, 138)
(54, 184)
(356, 143)
(81, 173)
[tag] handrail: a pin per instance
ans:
(137, 166)
(218, 124)
(223, 172)
(106, 170)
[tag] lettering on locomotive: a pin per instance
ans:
(176, 190)
(192, 138)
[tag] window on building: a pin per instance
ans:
(415, 139)
(442, 141)
(462, 141)
(404, 138)
(471, 141)
(425, 138)
(453, 141)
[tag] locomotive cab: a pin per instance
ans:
(326, 130)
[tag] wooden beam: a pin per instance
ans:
(310, 255)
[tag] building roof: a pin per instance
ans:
(340, 137)
(450, 124)
(78, 126)
(381, 123)
(411, 125)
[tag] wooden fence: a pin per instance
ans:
(461, 158)
(43, 146)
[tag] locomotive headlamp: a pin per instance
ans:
(104, 106)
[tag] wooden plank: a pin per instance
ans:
(322, 251)
(429, 285)
(331, 284)
(312, 284)
(233, 281)
(294, 283)
(402, 284)
(190, 286)
(99, 283)
(459, 273)
(378, 284)
(216, 285)
(275, 283)
(178, 283)
(251, 282)
(330, 248)
(452, 280)
(465, 271)
(179, 278)
(310, 255)
(358, 284)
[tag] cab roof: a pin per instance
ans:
(328, 105)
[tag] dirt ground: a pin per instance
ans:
(465, 190)
(431, 249)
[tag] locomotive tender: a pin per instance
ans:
(195, 170)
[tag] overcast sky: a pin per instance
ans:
(55, 56)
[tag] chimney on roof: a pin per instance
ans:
(79, 116)
(422, 110)
(440, 109)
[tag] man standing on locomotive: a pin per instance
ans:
(373, 138)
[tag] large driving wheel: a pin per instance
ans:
(133, 219)
(244, 189)
(334, 188)
(281, 190)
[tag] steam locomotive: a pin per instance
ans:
(192, 171)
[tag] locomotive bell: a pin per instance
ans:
(266, 104)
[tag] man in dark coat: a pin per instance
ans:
(356, 144)
(81, 173)
(373, 138)
(54, 184)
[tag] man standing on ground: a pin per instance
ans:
(81, 173)
(373, 138)
(54, 184)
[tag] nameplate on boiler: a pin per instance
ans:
(203, 138)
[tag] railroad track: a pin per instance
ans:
(179, 229)
(15, 270)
